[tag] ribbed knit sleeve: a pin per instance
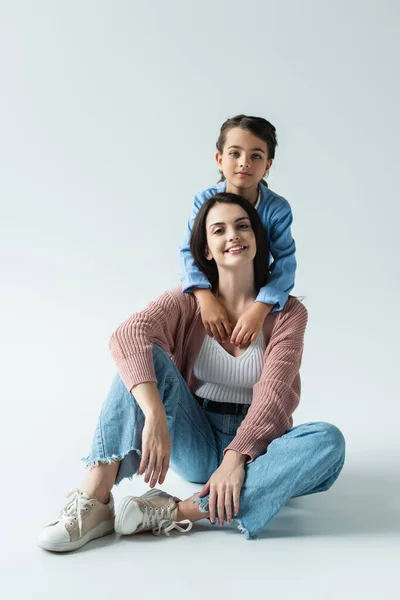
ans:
(277, 393)
(162, 322)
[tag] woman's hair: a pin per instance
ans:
(198, 239)
(258, 126)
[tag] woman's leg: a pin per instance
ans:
(117, 443)
(306, 460)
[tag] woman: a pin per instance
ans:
(218, 414)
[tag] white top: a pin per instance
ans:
(224, 378)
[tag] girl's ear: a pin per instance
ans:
(218, 158)
(268, 166)
(208, 254)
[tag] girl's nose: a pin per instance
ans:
(244, 162)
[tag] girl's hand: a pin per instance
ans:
(215, 319)
(249, 324)
(156, 448)
(224, 487)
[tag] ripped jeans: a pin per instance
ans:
(307, 459)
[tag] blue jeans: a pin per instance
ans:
(305, 460)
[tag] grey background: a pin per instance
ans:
(109, 113)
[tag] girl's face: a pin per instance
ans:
(230, 238)
(244, 159)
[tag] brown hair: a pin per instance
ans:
(198, 239)
(258, 126)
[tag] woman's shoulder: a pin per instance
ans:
(185, 301)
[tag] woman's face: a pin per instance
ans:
(230, 238)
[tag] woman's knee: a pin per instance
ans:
(332, 438)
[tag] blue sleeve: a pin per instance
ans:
(190, 275)
(283, 267)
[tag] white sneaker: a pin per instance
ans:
(155, 511)
(81, 520)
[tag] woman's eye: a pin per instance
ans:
(217, 231)
(243, 226)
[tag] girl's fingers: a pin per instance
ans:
(245, 338)
(211, 505)
(228, 505)
(221, 332)
(227, 327)
(238, 339)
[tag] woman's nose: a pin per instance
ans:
(233, 237)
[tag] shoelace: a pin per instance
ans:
(160, 521)
(74, 508)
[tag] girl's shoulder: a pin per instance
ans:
(207, 193)
(272, 201)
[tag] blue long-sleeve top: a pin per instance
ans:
(276, 217)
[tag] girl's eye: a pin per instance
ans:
(257, 156)
(234, 154)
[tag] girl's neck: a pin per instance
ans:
(236, 289)
(251, 194)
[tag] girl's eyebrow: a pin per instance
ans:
(252, 149)
(236, 221)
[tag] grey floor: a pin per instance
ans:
(340, 544)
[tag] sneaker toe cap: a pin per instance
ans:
(53, 534)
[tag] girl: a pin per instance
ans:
(220, 415)
(245, 152)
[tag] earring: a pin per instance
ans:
(266, 175)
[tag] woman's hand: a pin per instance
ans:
(224, 487)
(156, 448)
(214, 316)
(249, 324)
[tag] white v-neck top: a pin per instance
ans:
(224, 378)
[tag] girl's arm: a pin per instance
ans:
(283, 267)
(190, 275)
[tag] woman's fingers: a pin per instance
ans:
(144, 461)
(236, 501)
(211, 504)
(164, 470)
(221, 507)
(156, 473)
(150, 467)
(228, 505)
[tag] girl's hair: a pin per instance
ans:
(198, 240)
(258, 126)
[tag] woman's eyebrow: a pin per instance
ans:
(236, 221)
(251, 149)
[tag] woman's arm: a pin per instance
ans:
(163, 322)
(277, 394)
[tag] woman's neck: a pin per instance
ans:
(236, 289)
(251, 194)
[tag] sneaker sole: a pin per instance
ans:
(120, 515)
(105, 528)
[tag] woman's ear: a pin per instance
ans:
(208, 254)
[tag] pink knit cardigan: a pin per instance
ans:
(173, 322)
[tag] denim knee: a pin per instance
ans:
(333, 438)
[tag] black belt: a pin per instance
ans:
(224, 408)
